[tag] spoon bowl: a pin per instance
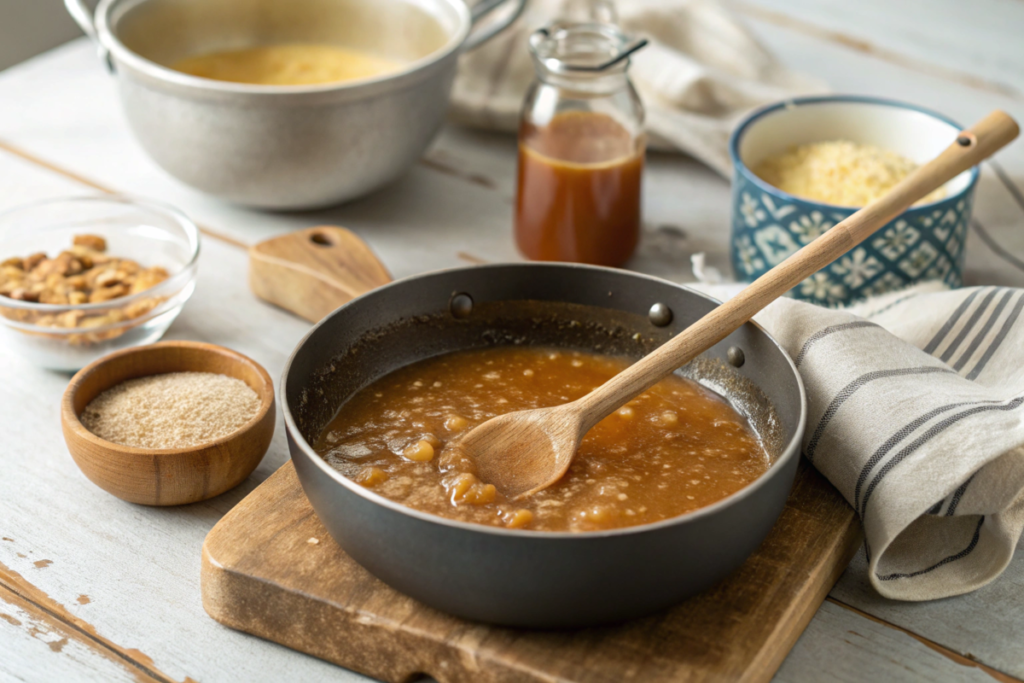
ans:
(554, 437)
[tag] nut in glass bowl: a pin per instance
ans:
(81, 277)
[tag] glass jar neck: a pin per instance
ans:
(589, 57)
(603, 83)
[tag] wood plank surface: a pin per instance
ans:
(883, 654)
(141, 569)
(154, 555)
(262, 575)
(982, 626)
(970, 43)
(32, 635)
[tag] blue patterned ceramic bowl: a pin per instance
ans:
(925, 242)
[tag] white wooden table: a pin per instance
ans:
(92, 588)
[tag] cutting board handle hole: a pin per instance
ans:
(321, 239)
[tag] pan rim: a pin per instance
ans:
(791, 450)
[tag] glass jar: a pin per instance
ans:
(581, 148)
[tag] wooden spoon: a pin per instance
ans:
(526, 451)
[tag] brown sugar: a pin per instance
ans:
(173, 410)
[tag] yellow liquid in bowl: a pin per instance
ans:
(295, 64)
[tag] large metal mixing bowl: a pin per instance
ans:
(286, 147)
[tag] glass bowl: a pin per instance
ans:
(69, 337)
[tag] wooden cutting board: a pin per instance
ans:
(263, 574)
(271, 569)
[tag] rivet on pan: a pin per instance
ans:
(660, 315)
(735, 356)
(461, 305)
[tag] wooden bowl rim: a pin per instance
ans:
(71, 419)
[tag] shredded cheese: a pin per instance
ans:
(839, 172)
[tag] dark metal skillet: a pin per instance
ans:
(524, 578)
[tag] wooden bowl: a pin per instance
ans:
(171, 476)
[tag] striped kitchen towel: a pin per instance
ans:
(916, 415)
(702, 71)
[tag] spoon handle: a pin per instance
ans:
(970, 148)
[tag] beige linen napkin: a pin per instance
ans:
(701, 72)
(916, 415)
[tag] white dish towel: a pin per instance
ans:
(700, 73)
(916, 415)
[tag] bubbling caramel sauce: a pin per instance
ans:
(673, 449)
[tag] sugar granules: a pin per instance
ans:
(839, 172)
(173, 410)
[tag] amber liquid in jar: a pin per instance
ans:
(578, 195)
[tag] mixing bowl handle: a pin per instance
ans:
(83, 16)
(478, 12)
